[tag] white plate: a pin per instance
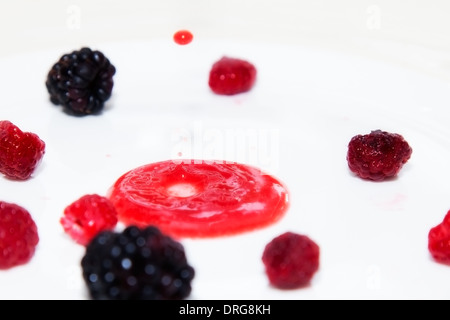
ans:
(295, 124)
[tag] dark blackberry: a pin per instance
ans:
(81, 81)
(136, 264)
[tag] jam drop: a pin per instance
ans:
(199, 199)
(183, 37)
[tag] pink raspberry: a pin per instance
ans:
(18, 235)
(439, 240)
(87, 216)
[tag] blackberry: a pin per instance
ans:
(81, 81)
(136, 264)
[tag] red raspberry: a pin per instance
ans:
(378, 155)
(20, 152)
(439, 240)
(87, 216)
(291, 260)
(18, 235)
(230, 76)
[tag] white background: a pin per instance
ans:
(327, 70)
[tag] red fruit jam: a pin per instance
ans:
(183, 37)
(199, 199)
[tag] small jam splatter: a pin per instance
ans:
(183, 37)
(199, 199)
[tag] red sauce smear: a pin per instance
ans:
(199, 199)
(183, 37)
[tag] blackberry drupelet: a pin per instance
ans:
(136, 264)
(81, 81)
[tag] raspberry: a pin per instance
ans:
(136, 264)
(87, 216)
(230, 76)
(378, 155)
(81, 81)
(291, 260)
(439, 240)
(18, 235)
(20, 152)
